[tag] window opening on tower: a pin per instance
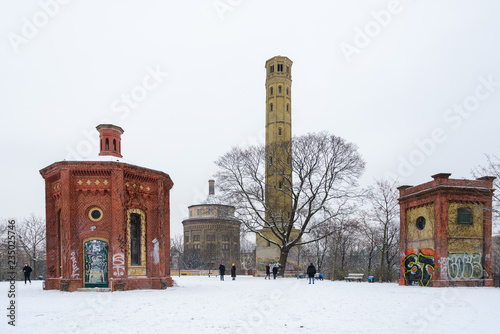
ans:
(280, 67)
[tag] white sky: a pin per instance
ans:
(70, 73)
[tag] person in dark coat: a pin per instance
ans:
(233, 272)
(311, 271)
(222, 271)
(275, 271)
(268, 272)
(27, 272)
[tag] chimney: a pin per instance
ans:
(110, 140)
(211, 187)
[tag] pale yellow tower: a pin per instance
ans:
(278, 163)
(278, 138)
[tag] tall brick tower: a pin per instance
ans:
(278, 138)
(278, 160)
(107, 221)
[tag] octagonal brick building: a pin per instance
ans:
(446, 229)
(108, 222)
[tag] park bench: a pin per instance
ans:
(354, 277)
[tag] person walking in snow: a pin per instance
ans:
(27, 272)
(233, 272)
(222, 271)
(268, 272)
(275, 271)
(311, 271)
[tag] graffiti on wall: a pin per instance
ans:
(156, 251)
(443, 262)
(465, 266)
(418, 269)
(118, 264)
(74, 265)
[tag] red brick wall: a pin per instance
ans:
(74, 187)
(441, 192)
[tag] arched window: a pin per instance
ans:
(280, 185)
(114, 144)
(287, 91)
(287, 107)
(135, 239)
(271, 91)
(271, 107)
(136, 244)
(279, 89)
(279, 131)
(107, 144)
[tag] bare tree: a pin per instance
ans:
(344, 240)
(176, 251)
(31, 237)
(495, 247)
(492, 168)
(370, 239)
(381, 224)
(319, 178)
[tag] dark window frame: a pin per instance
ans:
(464, 216)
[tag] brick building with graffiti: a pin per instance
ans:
(446, 228)
(108, 222)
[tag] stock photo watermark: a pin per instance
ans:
(31, 26)
(222, 7)
(363, 37)
(12, 266)
(438, 310)
(255, 320)
(122, 105)
(453, 118)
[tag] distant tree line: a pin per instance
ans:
(29, 247)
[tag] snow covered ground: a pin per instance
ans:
(254, 305)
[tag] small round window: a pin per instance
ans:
(420, 223)
(95, 214)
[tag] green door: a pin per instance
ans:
(96, 263)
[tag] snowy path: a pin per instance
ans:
(254, 305)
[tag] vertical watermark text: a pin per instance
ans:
(12, 265)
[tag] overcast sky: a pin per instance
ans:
(415, 84)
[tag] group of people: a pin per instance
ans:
(222, 271)
(268, 271)
(311, 272)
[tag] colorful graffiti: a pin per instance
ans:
(418, 269)
(96, 263)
